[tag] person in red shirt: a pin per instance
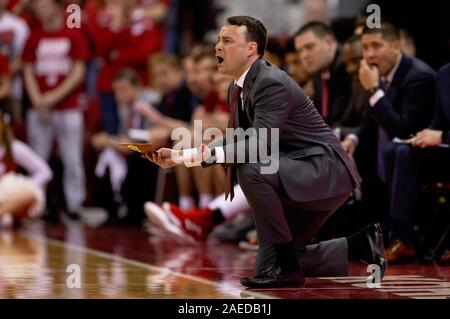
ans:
(127, 34)
(54, 69)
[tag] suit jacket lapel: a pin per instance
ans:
(399, 75)
(249, 80)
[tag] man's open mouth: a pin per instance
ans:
(219, 59)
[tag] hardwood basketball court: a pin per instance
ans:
(35, 262)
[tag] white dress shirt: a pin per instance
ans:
(220, 154)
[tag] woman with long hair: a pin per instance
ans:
(21, 196)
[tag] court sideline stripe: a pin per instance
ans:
(167, 271)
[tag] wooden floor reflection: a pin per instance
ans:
(35, 268)
(128, 263)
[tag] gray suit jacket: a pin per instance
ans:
(309, 155)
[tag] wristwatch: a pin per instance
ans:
(211, 160)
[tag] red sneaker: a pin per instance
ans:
(195, 224)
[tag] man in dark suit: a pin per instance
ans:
(409, 167)
(297, 175)
(352, 54)
(318, 50)
(401, 93)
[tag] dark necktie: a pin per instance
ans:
(236, 95)
(382, 140)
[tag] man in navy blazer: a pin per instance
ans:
(401, 92)
(408, 167)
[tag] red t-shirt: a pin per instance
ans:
(131, 47)
(4, 65)
(53, 55)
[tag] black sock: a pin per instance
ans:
(286, 257)
(358, 245)
(217, 216)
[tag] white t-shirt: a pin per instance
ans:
(14, 32)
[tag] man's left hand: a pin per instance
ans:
(427, 138)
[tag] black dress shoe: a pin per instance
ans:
(271, 278)
(376, 255)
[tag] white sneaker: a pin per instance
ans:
(162, 220)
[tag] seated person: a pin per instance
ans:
(411, 166)
(274, 51)
(178, 103)
(213, 114)
(401, 94)
(296, 70)
(138, 117)
(210, 112)
(352, 53)
(319, 52)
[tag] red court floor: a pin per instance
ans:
(35, 262)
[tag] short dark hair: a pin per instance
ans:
(353, 39)
(274, 46)
(256, 31)
(289, 47)
(129, 75)
(320, 29)
(387, 30)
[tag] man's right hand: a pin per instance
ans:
(369, 76)
(349, 146)
(163, 157)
